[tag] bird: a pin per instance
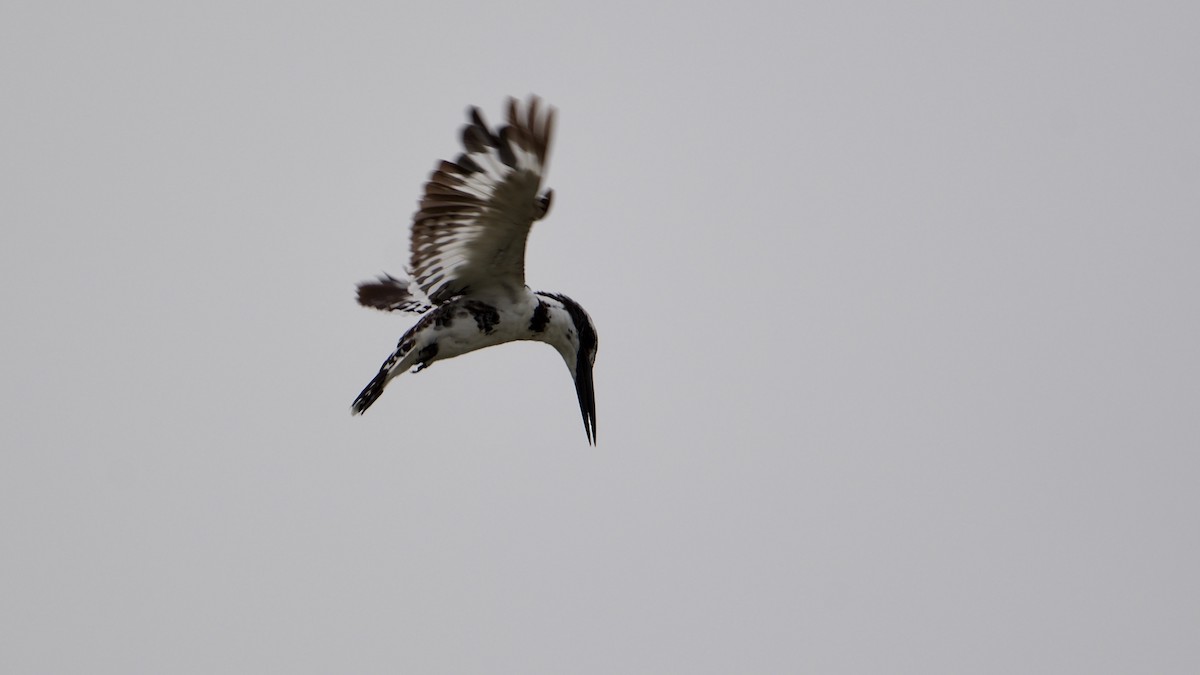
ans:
(466, 272)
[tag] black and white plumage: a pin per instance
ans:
(467, 265)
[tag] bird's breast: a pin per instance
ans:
(467, 324)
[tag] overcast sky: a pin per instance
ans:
(899, 364)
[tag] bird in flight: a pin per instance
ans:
(467, 266)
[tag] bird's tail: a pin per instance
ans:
(370, 393)
(395, 364)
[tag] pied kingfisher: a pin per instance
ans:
(467, 265)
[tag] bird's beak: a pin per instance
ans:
(587, 399)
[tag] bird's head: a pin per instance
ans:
(574, 336)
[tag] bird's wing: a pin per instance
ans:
(391, 295)
(470, 230)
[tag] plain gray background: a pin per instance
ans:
(898, 364)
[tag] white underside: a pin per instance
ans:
(463, 335)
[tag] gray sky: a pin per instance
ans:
(898, 364)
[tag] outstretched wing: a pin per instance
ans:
(474, 218)
(391, 295)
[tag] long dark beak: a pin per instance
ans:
(587, 398)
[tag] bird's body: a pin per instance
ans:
(468, 251)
